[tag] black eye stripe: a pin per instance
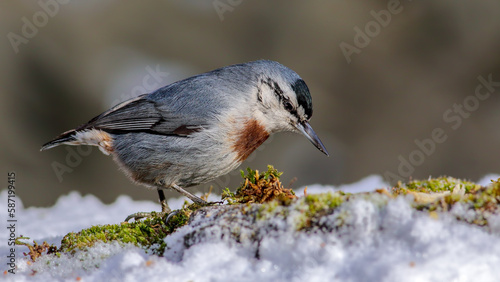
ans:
(276, 88)
(287, 104)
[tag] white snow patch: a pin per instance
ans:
(367, 184)
(390, 243)
(486, 180)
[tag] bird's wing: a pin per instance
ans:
(143, 115)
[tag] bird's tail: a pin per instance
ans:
(89, 136)
(68, 137)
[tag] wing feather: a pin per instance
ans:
(142, 115)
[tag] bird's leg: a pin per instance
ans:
(192, 197)
(189, 195)
(165, 209)
(163, 202)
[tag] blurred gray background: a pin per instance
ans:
(378, 84)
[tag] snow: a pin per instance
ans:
(392, 243)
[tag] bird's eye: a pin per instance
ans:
(288, 106)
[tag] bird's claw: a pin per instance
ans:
(140, 215)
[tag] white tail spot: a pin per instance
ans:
(94, 137)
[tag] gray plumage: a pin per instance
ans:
(202, 127)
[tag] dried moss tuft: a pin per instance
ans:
(35, 250)
(260, 188)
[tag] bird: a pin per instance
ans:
(197, 129)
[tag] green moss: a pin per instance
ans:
(480, 201)
(275, 201)
(315, 206)
(435, 185)
(269, 207)
(147, 234)
(229, 197)
(317, 203)
(253, 175)
(432, 195)
(272, 209)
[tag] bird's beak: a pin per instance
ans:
(307, 130)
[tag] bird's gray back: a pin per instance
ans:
(213, 92)
(197, 101)
(190, 141)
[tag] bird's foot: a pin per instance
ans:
(165, 209)
(140, 215)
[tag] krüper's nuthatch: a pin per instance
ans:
(199, 128)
